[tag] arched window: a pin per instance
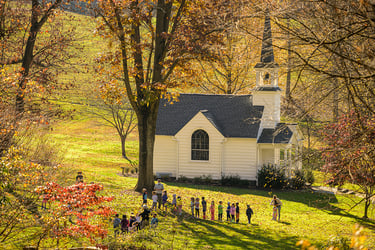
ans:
(200, 146)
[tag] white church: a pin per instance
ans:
(228, 135)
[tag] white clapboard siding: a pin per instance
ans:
(190, 168)
(271, 102)
(240, 158)
(165, 155)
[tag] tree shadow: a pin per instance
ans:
(322, 201)
(249, 238)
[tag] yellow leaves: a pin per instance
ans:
(305, 245)
(359, 238)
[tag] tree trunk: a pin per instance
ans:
(367, 205)
(123, 149)
(146, 127)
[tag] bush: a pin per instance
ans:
(230, 180)
(298, 180)
(271, 176)
(309, 176)
(183, 179)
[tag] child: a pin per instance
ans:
(232, 212)
(197, 208)
(204, 207)
(144, 196)
(116, 224)
(237, 213)
(154, 221)
(174, 203)
(44, 201)
(192, 201)
(212, 210)
(249, 212)
(228, 211)
(220, 211)
(132, 223)
(164, 200)
(179, 205)
(124, 224)
(154, 200)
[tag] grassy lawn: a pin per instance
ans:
(95, 149)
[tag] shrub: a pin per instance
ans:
(230, 180)
(298, 180)
(271, 176)
(183, 179)
(309, 176)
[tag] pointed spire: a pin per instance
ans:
(267, 58)
(267, 49)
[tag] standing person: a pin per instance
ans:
(159, 187)
(237, 212)
(124, 224)
(212, 210)
(154, 200)
(197, 208)
(220, 209)
(144, 196)
(192, 203)
(132, 223)
(165, 200)
(204, 208)
(228, 211)
(232, 212)
(116, 224)
(154, 221)
(174, 203)
(179, 205)
(145, 215)
(276, 203)
(249, 213)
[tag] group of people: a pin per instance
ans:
(135, 222)
(160, 199)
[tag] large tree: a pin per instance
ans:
(153, 41)
(350, 153)
(32, 42)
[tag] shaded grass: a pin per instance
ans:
(95, 149)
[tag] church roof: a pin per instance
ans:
(232, 115)
(281, 134)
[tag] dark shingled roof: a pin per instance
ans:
(232, 115)
(267, 88)
(280, 134)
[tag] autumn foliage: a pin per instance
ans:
(349, 153)
(76, 211)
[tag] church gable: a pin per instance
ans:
(200, 121)
(233, 116)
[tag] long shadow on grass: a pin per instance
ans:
(317, 200)
(252, 237)
(322, 201)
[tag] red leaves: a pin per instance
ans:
(80, 206)
(350, 150)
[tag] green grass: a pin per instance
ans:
(95, 149)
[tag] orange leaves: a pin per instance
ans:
(81, 206)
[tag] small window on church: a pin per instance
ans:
(267, 79)
(200, 146)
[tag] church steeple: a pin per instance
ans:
(267, 70)
(267, 56)
(267, 91)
